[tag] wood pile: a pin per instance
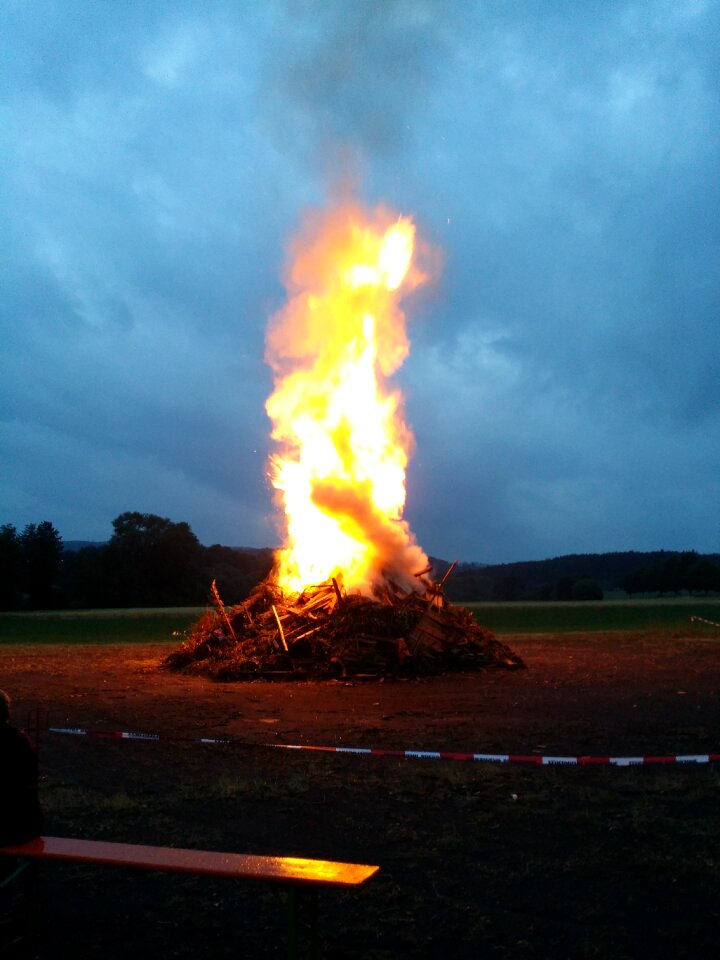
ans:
(324, 632)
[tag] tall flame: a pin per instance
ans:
(342, 443)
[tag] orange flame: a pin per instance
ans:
(343, 444)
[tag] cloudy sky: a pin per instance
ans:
(564, 378)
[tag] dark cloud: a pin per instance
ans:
(563, 381)
(347, 79)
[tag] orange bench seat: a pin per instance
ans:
(243, 866)
(297, 874)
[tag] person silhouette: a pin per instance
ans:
(20, 812)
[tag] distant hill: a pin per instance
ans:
(579, 576)
(73, 545)
(556, 578)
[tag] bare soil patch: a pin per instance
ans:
(513, 861)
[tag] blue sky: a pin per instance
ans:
(564, 378)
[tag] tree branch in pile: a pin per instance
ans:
(324, 632)
(221, 608)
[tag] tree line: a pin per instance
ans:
(150, 561)
(588, 576)
(674, 574)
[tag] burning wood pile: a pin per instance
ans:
(341, 452)
(324, 632)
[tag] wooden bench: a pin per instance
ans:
(301, 878)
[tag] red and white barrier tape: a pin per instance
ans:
(536, 759)
(703, 620)
(134, 735)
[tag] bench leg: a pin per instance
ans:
(13, 874)
(302, 919)
(18, 904)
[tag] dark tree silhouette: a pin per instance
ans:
(10, 567)
(88, 580)
(586, 589)
(673, 573)
(703, 575)
(635, 582)
(509, 588)
(152, 561)
(42, 550)
(564, 587)
(236, 571)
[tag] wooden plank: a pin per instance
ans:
(280, 629)
(221, 607)
(298, 870)
(447, 573)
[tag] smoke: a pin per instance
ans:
(351, 76)
(396, 555)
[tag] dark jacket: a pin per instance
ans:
(20, 813)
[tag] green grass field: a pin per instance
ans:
(97, 626)
(159, 625)
(666, 614)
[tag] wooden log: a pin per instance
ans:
(280, 629)
(308, 633)
(447, 573)
(316, 602)
(221, 608)
(301, 624)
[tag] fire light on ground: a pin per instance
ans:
(342, 442)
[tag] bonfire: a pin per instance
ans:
(351, 591)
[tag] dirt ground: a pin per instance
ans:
(592, 693)
(513, 861)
